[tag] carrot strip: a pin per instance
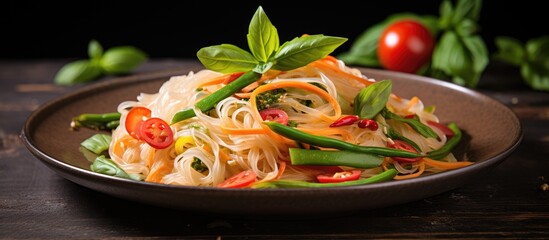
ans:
(413, 175)
(161, 168)
(329, 64)
(281, 169)
(445, 165)
(223, 79)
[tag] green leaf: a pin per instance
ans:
(95, 50)
(466, 9)
(262, 36)
(479, 56)
(466, 28)
(538, 49)
(415, 123)
(372, 99)
(97, 143)
(509, 50)
(304, 50)
(77, 72)
(108, 167)
(446, 11)
(226, 58)
(536, 76)
(122, 60)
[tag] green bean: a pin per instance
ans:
(417, 125)
(97, 121)
(334, 158)
(209, 102)
(327, 142)
(381, 177)
(450, 144)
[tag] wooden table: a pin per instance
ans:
(512, 201)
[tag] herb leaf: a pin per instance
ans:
(97, 143)
(77, 72)
(121, 60)
(304, 50)
(95, 50)
(509, 50)
(415, 123)
(372, 99)
(226, 58)
(107, 166)
(262, 36)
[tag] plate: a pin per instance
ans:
(492, 132)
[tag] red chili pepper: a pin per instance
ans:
(344, 121)
(368, 123)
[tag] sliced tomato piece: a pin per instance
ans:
(446, 130)
(402, 145)
(239, 180)
(136, 116)
(156, 132)
(339, 176)
(274, 114)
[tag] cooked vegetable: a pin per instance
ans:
(107, 166)
(381, 177)
(96, 121)
(300, 156)
(97, 143)
(450, 144)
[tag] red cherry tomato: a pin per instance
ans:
(135, 118)
(405, 46)
(446, 130)
(274, 114)
(402, 145)
(239, 180)
(339, 176)
(156, 132)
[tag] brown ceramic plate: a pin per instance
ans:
(492, 132)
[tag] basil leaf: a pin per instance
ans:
(538, 49)
(77, 72)
(466, 28)
(509, 50)
(262, 36)
(415, 123)
(536, 75)
(446, 11)
(108, 167)
(97, 143)
(304, 50)
(95, 50)
(121, 60)
(466, 9)
(453, 58)
(372, 99)
(226, 58)
(479, 55)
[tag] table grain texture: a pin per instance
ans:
(509, 202)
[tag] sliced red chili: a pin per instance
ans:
(402, 145)
(368, 123)
(339, 176)
(239, 180)
(446, 130)
(274, 114)
(345, 121)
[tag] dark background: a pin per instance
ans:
(164, 29)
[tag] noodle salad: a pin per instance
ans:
(280, 116)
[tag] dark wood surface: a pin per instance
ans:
(511, 201)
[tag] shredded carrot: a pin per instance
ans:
(243, 131)
(445, 165)
(223, 79)
(281, 168)
(420, 171)
(160, 169)
(222, 155)
(243, 95)
(330, 63)
(386, 161)
(413, 102)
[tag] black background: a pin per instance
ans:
(165, 29)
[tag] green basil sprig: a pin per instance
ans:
(265, 53)
(114, 61)
(372, 99)
(109, 167)
(532, 58)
